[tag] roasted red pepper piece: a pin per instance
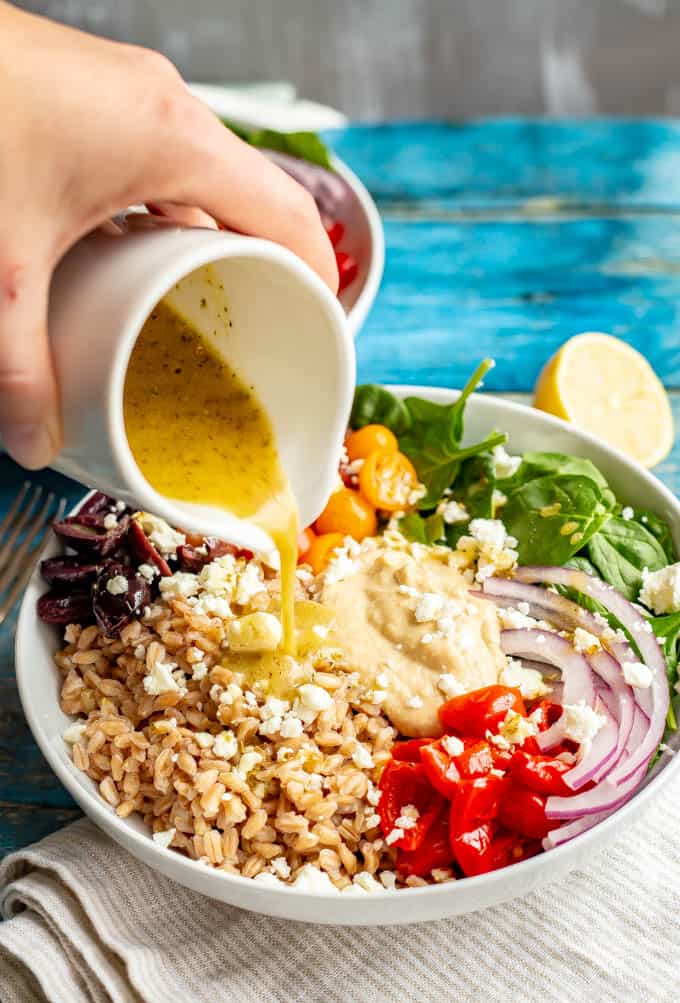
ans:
(477, 800)
(405, 784)
(441, 769)
(523, 811)
(434, 851)
(409, 751)
(484, 849)
(476, 760)
(335, 230)
(481, 710)
(543, 774)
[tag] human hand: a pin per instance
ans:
(89, 127)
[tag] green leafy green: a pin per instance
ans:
(373, 405)
(537, 464)
(621, 549)
(305, 145)
(475, 484)
(658, 528)
(553, 517)
(423, 529)
(433, 439)
(667, 629)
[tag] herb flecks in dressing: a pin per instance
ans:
(199, 434)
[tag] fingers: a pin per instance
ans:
(214, 169)
(185, 215)
(29, 418)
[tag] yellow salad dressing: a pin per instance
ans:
(199, 434)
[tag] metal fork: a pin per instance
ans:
(22, 532)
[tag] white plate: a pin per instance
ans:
(38, 682)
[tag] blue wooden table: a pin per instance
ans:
(503, 239)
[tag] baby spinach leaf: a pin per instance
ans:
(304, 145)
(658, 528)
(537, 464)
(373, 405)
(423, 529)
(474, 486)
(553, 517)
(667, 630)
(433, 440)
(620, 550)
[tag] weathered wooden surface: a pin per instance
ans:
(503, 239)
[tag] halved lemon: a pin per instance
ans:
(605, 387)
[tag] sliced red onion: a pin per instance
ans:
(577, 676)
(599, 754)
(656, 701)
(552, 736)
(622, 704)
(604, 797)
(574, 828)
(564, 613)
(624, 767)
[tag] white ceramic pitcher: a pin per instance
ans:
(289, 338)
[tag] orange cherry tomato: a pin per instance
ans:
(387, 479)
(305, 540)
(369, 438)
(321, 550)
(348, 513)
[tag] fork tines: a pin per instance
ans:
(22, 532)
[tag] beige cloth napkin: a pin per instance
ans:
(87, 923)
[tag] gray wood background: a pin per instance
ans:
(395, 59)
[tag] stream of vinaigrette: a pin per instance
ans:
(199, 434)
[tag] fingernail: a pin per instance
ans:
(31, 445)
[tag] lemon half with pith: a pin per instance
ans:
(604, 386)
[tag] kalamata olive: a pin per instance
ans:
(98, 502)
(143, 551)
(59, 609)
(69, 572)
(113, 610)
(91, 540)
(194, 558)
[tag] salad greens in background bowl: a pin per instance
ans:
(349, 214)
(592, 529)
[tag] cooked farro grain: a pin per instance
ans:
(278, 803)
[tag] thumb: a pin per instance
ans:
(29, 414)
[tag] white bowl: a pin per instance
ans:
(365, 241)
(38, 682)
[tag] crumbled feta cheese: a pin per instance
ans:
(255, 632)
(453, 745)
(453, 512)
(119, 506)
(117, 585)
(247, 763)
(219, 578)
(394, 835)
(280, 867)
(415, 702)
(373, 795)
(581, 723)
(250, 583)
(504, 465)
(225, 745)
(371, 821)
(181, 585)
(310, 702)
(362, 758)
(529, 681)
(514, 619)
(660, 590)
(366, 881)
(291, 728)
(273, 707)
(74, 732)
(627, 512)
(148, 571)
(427, 638)
(199, 670)
(165, 539)
(311, 879)
(164, 838)
(269, 880)
(213, 605)
(428, 607)
(515, 729)
(160, 679)
(388, 880)
(637, 674)
(110, 521)
(340, 566)
(489, 531)
(584, 641)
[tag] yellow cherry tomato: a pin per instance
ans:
(348, 513)
(369, 438)
(321, 550)
(305, 540)
(386, 480)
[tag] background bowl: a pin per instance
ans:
(38, 682)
